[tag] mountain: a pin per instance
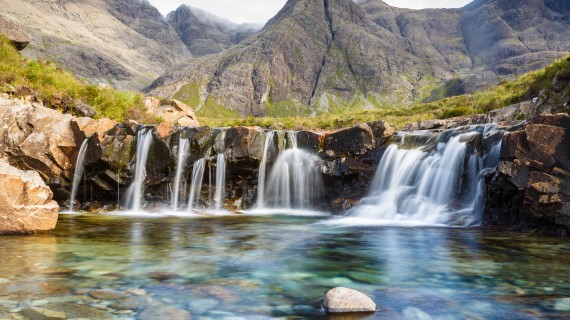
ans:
(125, 43)
(338, 55)
(204, 33)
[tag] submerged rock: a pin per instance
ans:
(26, 204)
(345, 300)
(34, 313)
(107, 295)
(164, 312)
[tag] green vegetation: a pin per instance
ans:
(349, 113)
(59, 89)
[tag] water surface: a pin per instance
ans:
(261, 267)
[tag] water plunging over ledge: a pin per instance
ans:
(294, 180)
(135, 193)
(219, 194)
(428, 178)
(179, 180)
(79, 169)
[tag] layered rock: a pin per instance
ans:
(26, 204)
(172, 111)
(530, 191)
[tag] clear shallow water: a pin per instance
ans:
(280, 266)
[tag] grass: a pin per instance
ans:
(523, 88)
(59, 89)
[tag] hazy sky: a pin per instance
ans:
(259, 11)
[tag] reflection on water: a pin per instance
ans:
(260, 267)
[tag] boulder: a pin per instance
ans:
(14, 33)
(345, 300)
(530, 190)
(172, 111)
(84, 110)
(26, 204)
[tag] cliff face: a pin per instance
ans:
(319, 56)
(205, 34)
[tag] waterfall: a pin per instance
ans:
(220, 173)
(294, 180)
(262, 169)
(196, 186)
(136, 189)
(439, 183)
(79, 169)
(183, 154)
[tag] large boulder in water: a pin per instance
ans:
(345, 300)
(530, 191)
(26, 204)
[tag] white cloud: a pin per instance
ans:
(259, 11)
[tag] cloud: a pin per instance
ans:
(260, 11)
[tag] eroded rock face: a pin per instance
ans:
(15, 33)
(345, 300)
(530, 191)
(26, 204)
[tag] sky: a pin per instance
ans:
(260, 11)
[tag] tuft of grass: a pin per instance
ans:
(60, 89)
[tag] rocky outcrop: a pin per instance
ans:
(345, 300)
(446, 123)
(14, 33)
(172, 111)
(26, 204)
(530, 190)
(315, 56)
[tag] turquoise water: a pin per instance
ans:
(263, 267)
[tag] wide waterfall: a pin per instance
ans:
(294, 180)
(220, 172)
(262, 170)
(196, 186)
(135, 192)
(79, 169)
(437, 181)
(183, 154)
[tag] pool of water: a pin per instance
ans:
(258, 267)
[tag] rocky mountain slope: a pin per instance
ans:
(125, 43)
(338, 55)
(204, 33)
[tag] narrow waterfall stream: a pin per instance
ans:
(262, 170)
(220, 172)
(135, 192)
(294, 181)
(196, 184)
(78, 173)
(179, 181)
(427, 179)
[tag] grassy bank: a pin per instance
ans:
(506, 93)
(59, 89)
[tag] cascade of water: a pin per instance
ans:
(196, 186)
(79, 169)
(294, 180)
(438, 186)
(220, 173)
(183, 154)
(262, 170)
(136, 189)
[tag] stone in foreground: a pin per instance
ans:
(345, 300)
(26, 204)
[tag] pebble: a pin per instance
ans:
(562, 304)
(345, 300)
(107, 295)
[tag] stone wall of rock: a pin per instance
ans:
(26, 204)
(530, 190)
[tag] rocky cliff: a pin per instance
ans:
(206, 34)
(123, 43)
(331, 55)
